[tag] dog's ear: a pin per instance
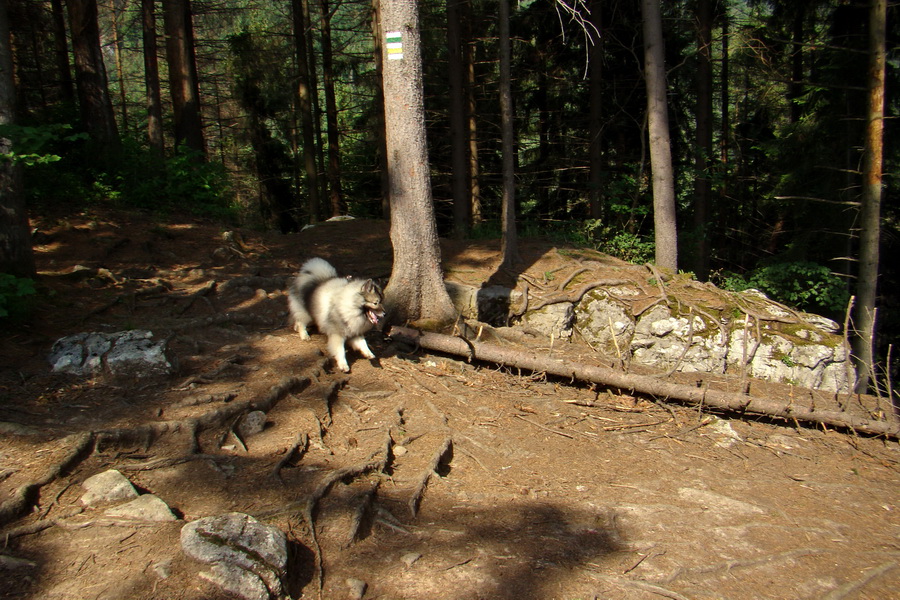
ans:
(369, 286)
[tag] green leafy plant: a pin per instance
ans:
(806, 285)
(33, 146)
(14, 293)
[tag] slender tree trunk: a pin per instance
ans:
(416, 289)
(870, 218)
(183, 78)
(509, 245)
(726, 115)
(795, 88)
(381, 136)
(61, 50)
(335, 193)
(97, 115)
(474, 182)
(703, 138)
(151, 77)
(660, 144)
(16, 255)
(459, 165)
(120, 69)
(305, 108)
(595, 117)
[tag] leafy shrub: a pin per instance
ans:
(14, 292)
(806, 285)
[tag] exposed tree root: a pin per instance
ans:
(297, 449)
(82, 445)
(442, 456)
(658, 388)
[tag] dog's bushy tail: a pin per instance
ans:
(317, 270)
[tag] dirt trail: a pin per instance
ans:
(548, 490)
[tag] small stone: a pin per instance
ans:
(252, 423)
(109, 486)
(357, 588)
(410, 558)
(144, 508)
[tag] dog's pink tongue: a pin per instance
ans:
(373, 316)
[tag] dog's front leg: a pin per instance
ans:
(336, 349)
(359, 343)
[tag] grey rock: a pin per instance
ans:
(604, 324)
(108, 486)
(554, 320)
(125, 353)
(252, 423)
(241, 583)
(237, 542)
(143, 508)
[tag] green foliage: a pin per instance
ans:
(805, 285)
(14, 293)
(35, 145)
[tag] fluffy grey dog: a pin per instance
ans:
(342, 308)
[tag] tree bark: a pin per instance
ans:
(595, 116)
(305, 108)
(61, 50)
(416, 289)
(642, 384)
(459, 165)
(97, 115)
(335, 193)
(151, 77)
(474, 183)
(870, 218)
(16, 255)
(183, 78)
(509, 245)
(703, 138)
(660, 143)
(381, 136)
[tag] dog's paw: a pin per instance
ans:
(304, 335)
(344, 367)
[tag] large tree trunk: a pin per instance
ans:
(16, 256)
(416, 289)
(305, 109)
(118, 46)
(509, 245)
(459, 166)
(183, 79)
(335, 193)
(660, 144)
(870, 219)
(658, 387)
(703, 138)
(151, 77)
(97, 115)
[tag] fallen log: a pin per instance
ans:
(642, 384)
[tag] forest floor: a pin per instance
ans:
(548, 489)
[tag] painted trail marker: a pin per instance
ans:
(394, 43)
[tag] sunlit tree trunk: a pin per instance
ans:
(416, 289)
(474, 173)
(16, 256)
(379, 111)
(509, 245)
(870, 218)
(120, 68)
(663, 177)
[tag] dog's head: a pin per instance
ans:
(373, 299)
